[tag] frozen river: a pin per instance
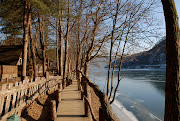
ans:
(141, 91)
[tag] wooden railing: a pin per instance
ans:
(16, 97)
(95, 100)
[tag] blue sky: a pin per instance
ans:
(161, 32)
(177, 2)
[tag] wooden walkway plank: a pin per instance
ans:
(71, 107)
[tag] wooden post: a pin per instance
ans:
(6, 80)
(47, 75)
(81, 94)
(2, 99)
(82, 89)
(59, 92)
(101, 114)
(85, 101)
(61, 87)
(78, 79)
(89, 93)
(71, 81)
(58, 95)
(85, 88)
(8, 99)
(53, 109)
(89, 99)
(85, 107)
(64, 83)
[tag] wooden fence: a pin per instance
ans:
(96, 102)
(16, 97)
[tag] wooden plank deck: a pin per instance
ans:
(71, 108)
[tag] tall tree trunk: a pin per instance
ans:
(25, 40)
(86, 64)
(90, 50)
(29, 61)
(78, 47)
(86, 68)
(66, 47)
(44, 52)
(57, 45)
(110, 58)
(114, 66)
(119, 71)
(78, 38)
(60, 50)
(32, 48)
(42, 42)
(29, 51)
(172, 92)
(109, 70)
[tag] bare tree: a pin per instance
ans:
(112, 43)
(125, 24)
(98, 12)
(66, 46)
(60, 31)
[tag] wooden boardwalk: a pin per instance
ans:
(71, 107)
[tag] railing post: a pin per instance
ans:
(101, 114)
(89, 99)
(53, 109)
(89, 93)
(59, 92)
(59, 96)
(82, 88)
(85, 101)
(61, 87)
(47, 75)
(7, 80)
(64, 82)
(79, 80)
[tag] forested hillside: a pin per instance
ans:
(153, 58)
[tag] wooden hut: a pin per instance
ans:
(10, 58)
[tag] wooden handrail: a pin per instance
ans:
(18, 94)
(92, 114)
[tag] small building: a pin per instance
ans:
(11, 62)
(10, 58)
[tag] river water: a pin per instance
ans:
(141, 91)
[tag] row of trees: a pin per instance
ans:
(80, 31)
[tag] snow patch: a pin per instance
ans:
(122, 113)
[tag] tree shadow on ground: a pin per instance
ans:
(39, 110)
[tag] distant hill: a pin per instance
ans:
(153, 58)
